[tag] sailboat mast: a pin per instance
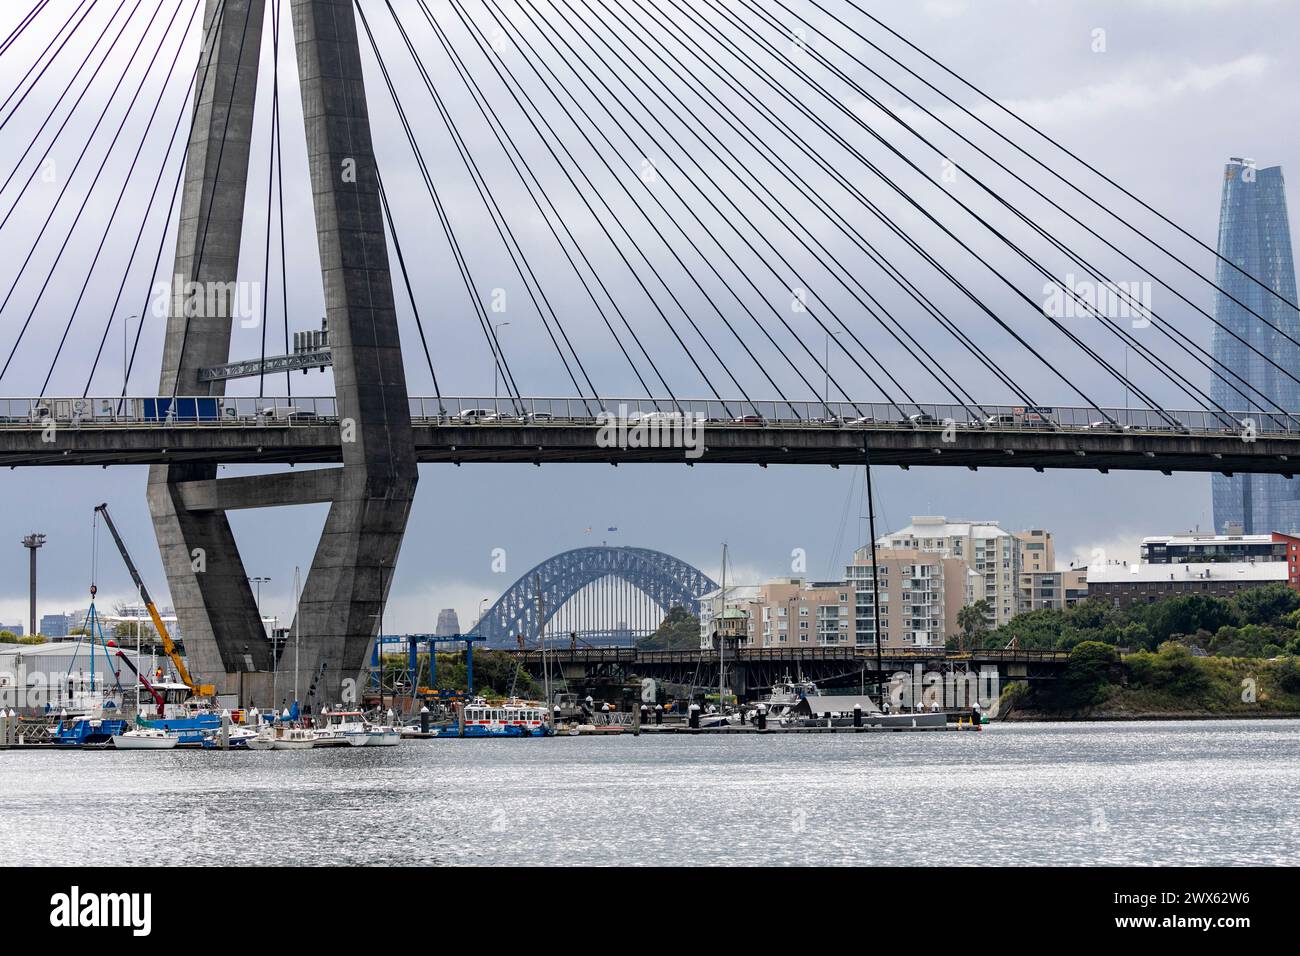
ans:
(297, 631)
(541, 633)
(875, 572)
(722, 634)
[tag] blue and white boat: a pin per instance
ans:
(510, 718)
(87, 731)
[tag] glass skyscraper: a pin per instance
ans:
(1255, 235)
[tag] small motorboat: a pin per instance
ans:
(297, 738)
(264, 739)
(237, 737)
(146, 738)
(352, 728)
(715, 720)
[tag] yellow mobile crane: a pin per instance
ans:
(169, 646)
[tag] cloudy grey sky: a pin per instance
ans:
(1156, 93)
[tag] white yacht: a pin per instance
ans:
(295, 738)
(352, 728)
(264, 739)
(147, 738)
(785, 697)
(716, 719)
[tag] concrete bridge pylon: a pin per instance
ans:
(370, 494)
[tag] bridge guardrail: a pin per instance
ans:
(178, 412)
(219, 411)
(506, 411)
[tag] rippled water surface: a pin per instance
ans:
(1153, 793)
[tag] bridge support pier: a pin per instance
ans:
(209, 588)
(370, 496)
(353, 567)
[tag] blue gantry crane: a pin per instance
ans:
(431, 642)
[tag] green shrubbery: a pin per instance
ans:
(496, 673)
(1090, 671)
(679, 630)
(1261, 622)
(1171, 680)
(9, 637)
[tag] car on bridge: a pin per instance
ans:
(1015, 420)
(476, 416)
(655, 417)
(286, 413)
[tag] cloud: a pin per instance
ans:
(1133, 93)
(415, 610)
(945, 9)
(1122, 546)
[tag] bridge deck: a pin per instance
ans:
(318, 442)
(273, 431)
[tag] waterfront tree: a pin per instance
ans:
(973, 621)
(680, 630)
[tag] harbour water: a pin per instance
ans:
(1225, 792)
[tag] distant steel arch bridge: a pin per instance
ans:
(602, 595)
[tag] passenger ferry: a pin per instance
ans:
(510, 718)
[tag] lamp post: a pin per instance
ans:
(827, 395)
(257, 582)
(1125, 383)
(826, 367)
(496, 362)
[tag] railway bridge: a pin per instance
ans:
(750, 672)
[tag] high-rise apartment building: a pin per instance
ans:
(1037, 553)
(920, 595)
(1052, 590)
(1255, 237)
(991, 552)
(784, 613)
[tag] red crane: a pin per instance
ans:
(158, 698)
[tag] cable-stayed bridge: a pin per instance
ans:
(781, 223)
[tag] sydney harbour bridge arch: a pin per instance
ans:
(602, 595)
